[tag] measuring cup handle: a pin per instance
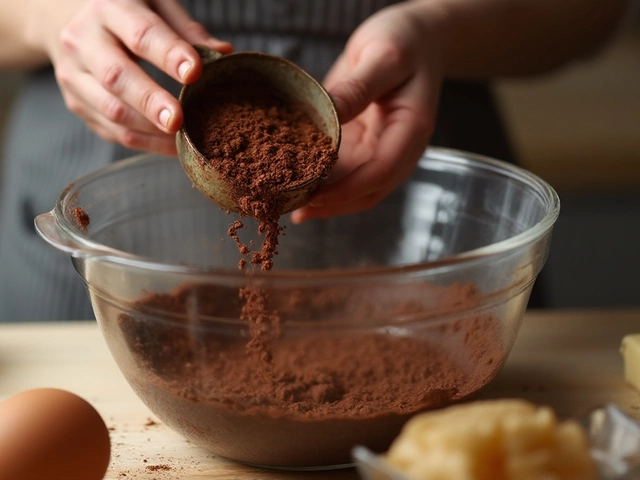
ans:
(207, 55)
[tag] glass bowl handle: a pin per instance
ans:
(50, 229)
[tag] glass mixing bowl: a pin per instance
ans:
(364, 320)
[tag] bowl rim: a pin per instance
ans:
(81, 246)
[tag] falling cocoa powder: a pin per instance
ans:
(261, 146)
(327, 388)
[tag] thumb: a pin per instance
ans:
(378, 69)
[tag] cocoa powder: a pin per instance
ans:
(82, 218)
(325, 388)
(261, 146)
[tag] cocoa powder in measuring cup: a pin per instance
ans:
(262, 146)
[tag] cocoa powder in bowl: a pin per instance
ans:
(324, 388)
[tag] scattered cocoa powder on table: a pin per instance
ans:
(158, 468)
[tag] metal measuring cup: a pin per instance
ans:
(289, 81)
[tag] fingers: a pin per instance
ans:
(126, 80)
(385, 87)
(193, 32)
(146, 35)
(308, 213)
(163, 37)
(377, 69)
(156, 143)
(86, 98)
(96, 66)
(114, 120)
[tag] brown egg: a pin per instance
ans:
(51, 434)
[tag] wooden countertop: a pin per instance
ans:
(566, 359)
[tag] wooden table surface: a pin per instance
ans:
(566, 359)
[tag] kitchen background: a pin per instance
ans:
(579, 129)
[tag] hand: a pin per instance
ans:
(94, 46)
(386, 86)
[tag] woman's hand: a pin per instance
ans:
(386, 86)
(94, 46)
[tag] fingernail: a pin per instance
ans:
(228, 47)
(221, 46)
(183, 69)
(165, 117)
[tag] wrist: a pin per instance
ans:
(435, 22)
(37, 28)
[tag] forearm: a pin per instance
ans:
(485, 38)
(17, 50)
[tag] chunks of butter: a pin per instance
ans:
(492, 440)
(630, 350)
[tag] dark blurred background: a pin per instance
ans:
(579, 129)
